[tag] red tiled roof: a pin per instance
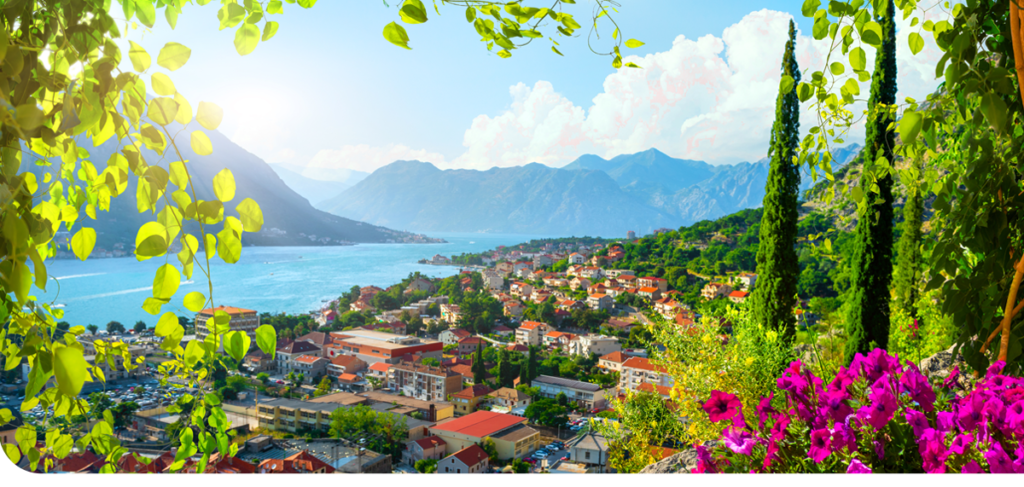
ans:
(459, 332)
(518, 347)
(617, 357)
(308, 359)
(475, 391)
(648, 289)
(738, 294)
(471, 340)
(471, 455)
(642, 364)
(231, 310)
(660, 390)
(480, 424)
(380, 367)
(430, 442)
(348, 378)
(529, 325)
(344, 360)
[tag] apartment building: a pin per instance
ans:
(531, 332)
(376, 346)
(638, 371)
(584, 393)
(423, 381)
(242, 319)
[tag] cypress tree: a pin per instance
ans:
(479, 372)
(868, 313)
(777, 265)
(531, 366)
(908, 264)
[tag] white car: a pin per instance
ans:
(540, 455)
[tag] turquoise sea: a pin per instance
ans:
(273, 279)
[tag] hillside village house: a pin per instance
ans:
(539, 297)
(579, 283)
(242, 319)
(450, 313)
(521, 266)
(621, 325)
(471, 459)
(492, 281)
(556, 338)
(571, 304)
(521, 289)
(287, 355)
(668, 307)
(715, 289)
(503, 269)
(380, 371)
(502, 330)
(453, 335)
(310, 366)
(423, 381)
(542, 260)
(290, 416)
(375, 346)
(738, 296)
(627, 281)
(512, 437)
(594, 345)
(600, 301)
(612, 362)
(510, 401)
(591, 272)
(530, 332)
(651, 293)
(576, 258)
(467, 400)
(615, 273)
(585, 394)
(513, 309)
(429, 448)
(345, 364)
(637, 371)
(469, 345)
(419, 285)
(591, 450)
(747, 279)
(556, 281)
(657, 282)
(439, 259)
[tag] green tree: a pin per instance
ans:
(115, 328)
(300, 378)
(867, 322)
(907, 278)
(547, 412)
(562, 399)
(263, 377)
(777, 266)
(323, 388)
(487, 443)
(506, 374)
(518, 465)
(479, 372)
(93, 329)
(431, 361)
(530, 371)
(427, 465)
(140, 326)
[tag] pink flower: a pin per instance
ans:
(972, 467)
(705, 464)
(961, 443)
(834, 405)
(769, 456)
(821, 445)
(778, 432)
(843, 436)
(951, 380)
(722, 406)
(739, 441)
(857, 467)
(765, 409)
(880, 411)
(918, 420)
(914, 383)
(944, 421)
(998, 460)
(995, 369)
(1015, 415)
(970, 412)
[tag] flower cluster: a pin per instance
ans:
(875, 416)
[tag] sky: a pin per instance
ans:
(328, 93)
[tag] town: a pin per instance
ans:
(509, 366)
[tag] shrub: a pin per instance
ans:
(875, 416)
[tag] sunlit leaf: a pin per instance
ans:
(209, 115)
(201, 144)
(173, 56)
(139, 57)
(83, 242)
(396, 35)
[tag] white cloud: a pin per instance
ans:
(330, 164)
(711, 99)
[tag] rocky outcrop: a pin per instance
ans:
(939, 365)
(682, 462)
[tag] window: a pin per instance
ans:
(446, 470)
(586, 455)
(458, 470)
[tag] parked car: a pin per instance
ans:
(540, 455)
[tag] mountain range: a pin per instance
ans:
(316, 190)
(289, 218)
(589, 196)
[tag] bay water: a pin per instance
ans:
(271, 279)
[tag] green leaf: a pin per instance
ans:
(209, 115)
(211, 399)
(871, 34)
(224, 185)
(171, 14)
(201, 144)
(139, 57)
(413, 12)
(246, 38)
(995, 110)
(194, 301)
(251, 215)
(266, 339)
(633, 43)
(13, 453)
(150, 241)
(809, 7)
(69, 368)
(269, 29)
(166, 282)
(307, 3)
(837, 68)
(236, 344)
(556, 51)
(173, 56)
(785, 85)
(504, 54)
(275, 7)
(145, 12)
(396, 35)
(804, 91)
(184, 110)
(166, 325)
(163, 85)
(230, 15)
(153, 305)
(916, 42)
(858, 60)
(470, 14)
(229, 245)
(162, 110)
(83, 242)
(910, 126)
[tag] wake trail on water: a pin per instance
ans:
(117, 293)
(79, 275)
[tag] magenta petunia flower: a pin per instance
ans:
(933, 451)
(995, 369)
(998, 460)
(879, 449)
(944, 421)
(705, 464)
(970, 414)
(765, 409)
(961, 443)
(722, 406)
(834, 405)
(844, 377)
(770, 454)
(952, 380)
(972, 467)
(843, 437)
(918, 420)
(1013, 395)
(857, 467)
(739, 441)
(880, 411)
(994, 410)
(1015, 415)
(778, 432)
(917, 386)
(821, 445)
